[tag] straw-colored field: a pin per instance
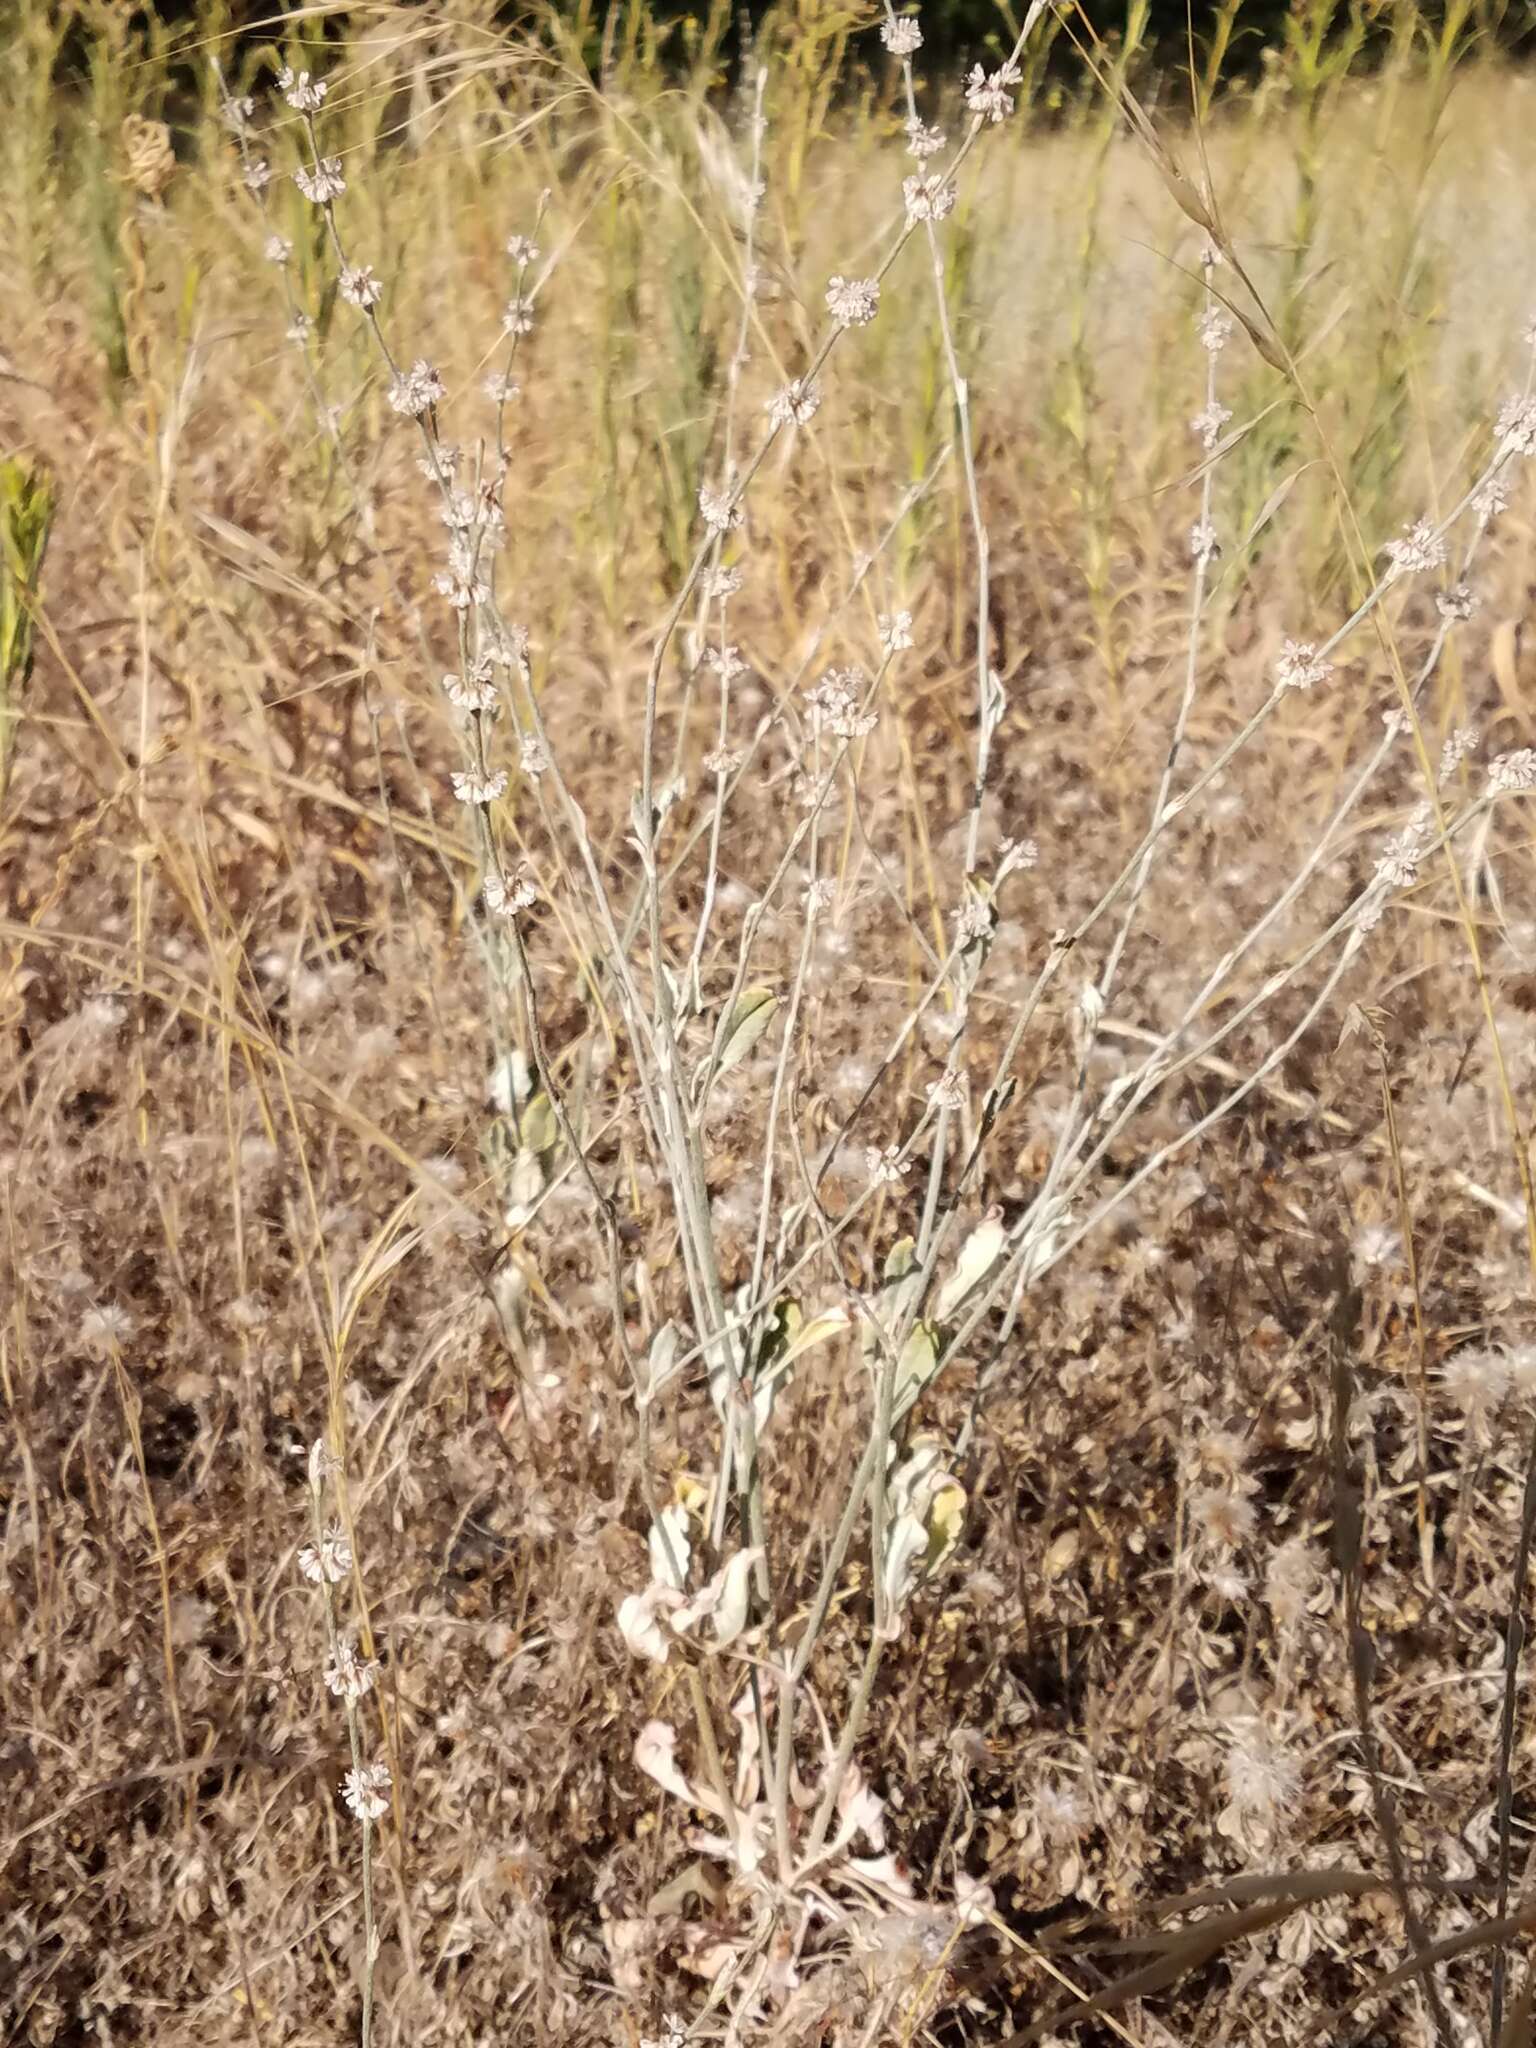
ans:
(871, 1463)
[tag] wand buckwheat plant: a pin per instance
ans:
(859, 1229)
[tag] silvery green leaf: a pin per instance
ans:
(744, 1026)
(669, 1546)
(661, 1361)
(915, 1367)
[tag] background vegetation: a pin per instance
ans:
(1242, 1487)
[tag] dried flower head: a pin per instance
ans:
(719, 514)
(304, 94)
(895, 631)
(989, 95)
(359, 286)
(1490, 501)
(1300, 666)
(796, 405)
(1511, 772)
(474, 692)
(1215, 329)
(927, 197)
(901, 35)
(853, 301)
(105, 1328)
(471, 787)
(1515, 431)
(416, 390)
(328, 1561)
(321, 182)
(348, 1675)
(884, 1165)
(1203, 544)
(523, 250)
(1418, 548)
(1457, 604)
(835, 704)
(277, 249)
(366, 1791)
(517, 316)
(1208, 423)
(507, 898)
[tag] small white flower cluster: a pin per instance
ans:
(1456, 750)
(989, 95)
(895, 631)
(1490, 501)
(277, 249)
(901, 35)
(722, 760)
(321, 182)
(835, 704)
(818, 896)
(523, 250)
(1300, 666)
(471, 787)
(462, 582)
(1208, 423)
(505, 898)
(1419, 548)
(927, 198)
(1457, 604)
(1512, 772)
(796, 405)
(304, 94)
(359, 287)
(1203, 544)
(853, 301)
(532, 755)
(977, 919)
(1013, 855)
(300, 328)
(348, 1675)
(239, 114)
(884, 1165)
(1216, 329)
(948, 1092)
(475, 691)
(257, 175)
(1398, 867)
(923, 141)
(719, 514)
(366, 1791)
(328, 1561)
(1515, 431)
(416, 390)
(726, 663)
(517, 316)
(724, 583)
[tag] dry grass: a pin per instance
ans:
(256, 1188)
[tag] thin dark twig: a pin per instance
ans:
(1348, 1545)
(1514, 1642)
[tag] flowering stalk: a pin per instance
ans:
(350, 1676)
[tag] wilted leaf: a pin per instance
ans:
(978, 1255)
